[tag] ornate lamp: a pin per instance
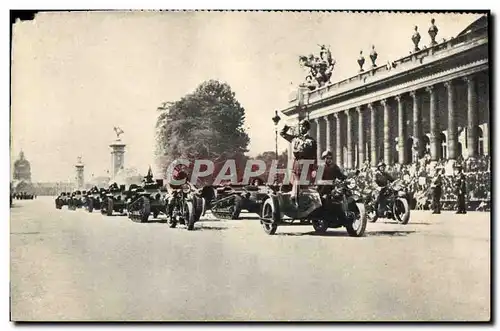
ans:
(276, 119)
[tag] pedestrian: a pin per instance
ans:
(436, 186)
(460, 189)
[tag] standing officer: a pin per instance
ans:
(436, 186)
(460, 189)
(304, 148)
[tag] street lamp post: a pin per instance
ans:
(276, 119)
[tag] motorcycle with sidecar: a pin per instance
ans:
(341, 207)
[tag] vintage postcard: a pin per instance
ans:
(174, 166)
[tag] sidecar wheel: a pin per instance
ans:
(320, 226)
(401, 210)
(358, 226)
(189, 215)
(269, 213)
(109, 211)
(236, 210)
(145, 210)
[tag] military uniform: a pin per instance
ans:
(436, 186)
(304, 147)
(460, 190)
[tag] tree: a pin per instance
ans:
(206, 124)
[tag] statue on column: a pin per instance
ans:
(118, 132)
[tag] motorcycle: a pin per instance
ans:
(342, 207)
(393, 205)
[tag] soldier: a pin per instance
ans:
(436, 186)
(331, 172)
(460, 189)
(382, 179)
(304, 148)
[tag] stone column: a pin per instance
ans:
(434, 124)
(329, 142)
(350, 153)
(387, 132)
(472, 117)
(373, 135)
(417, 125)
(318, 139)
(401, 131)
(452, 122)
(361, 137)
(339, 153)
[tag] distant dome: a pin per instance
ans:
(127, 176)
(22, 168)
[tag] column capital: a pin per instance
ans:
(347, 111)
(329, 117)
(469, 78)
(414, 94)
(336, 115)
(317, 120)
(359, 109)
(384, 102)
(399, 98)
(449, 83)
(370, 106)
(430, 88)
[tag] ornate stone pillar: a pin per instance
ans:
(417, 125)
(472, 117)
(319, 150)
(373, 135)
(452, 122)
(387, 132)
(401, 131)
(434, 124)
(339, 153)
(350, 153)
(361, 137)
(329, 142)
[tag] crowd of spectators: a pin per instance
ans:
(418, 177)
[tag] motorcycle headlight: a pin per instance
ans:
(186, 188)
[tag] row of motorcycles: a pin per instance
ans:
(344, 206)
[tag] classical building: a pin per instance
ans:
(435, 100)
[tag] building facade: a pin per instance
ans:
(435, 101)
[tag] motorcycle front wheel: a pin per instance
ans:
(401, 210)
(358, 226)
(189, 215)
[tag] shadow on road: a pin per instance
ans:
(395, 233)
(345, 234)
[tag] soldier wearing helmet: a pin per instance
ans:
(304, 148)
(331, 171)
(382, 179)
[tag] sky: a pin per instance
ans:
(76, 75)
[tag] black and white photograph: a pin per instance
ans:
(250, 166)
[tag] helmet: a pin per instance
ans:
(305, 123)
(381, 164)
(326, 154)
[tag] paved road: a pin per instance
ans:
(72, 265)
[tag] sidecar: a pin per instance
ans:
(339, 209)
(228, 201)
